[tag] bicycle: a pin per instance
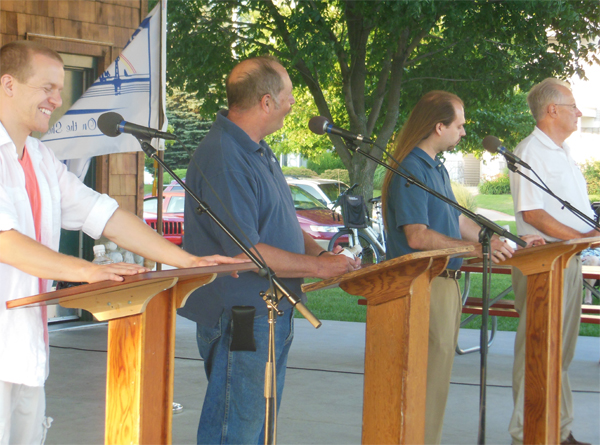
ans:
(356, 230)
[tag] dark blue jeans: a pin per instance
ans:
(234, 405)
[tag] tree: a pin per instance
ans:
(376, 58)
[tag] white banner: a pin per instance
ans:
(133, 86)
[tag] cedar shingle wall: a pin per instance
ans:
(105, 26)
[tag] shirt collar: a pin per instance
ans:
(425, 157)
(545, 139)
(238, 134)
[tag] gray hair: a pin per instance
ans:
(251, 80)
(543, 94)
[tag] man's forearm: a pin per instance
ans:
(547, 224)
(131, 233)
(29, 256)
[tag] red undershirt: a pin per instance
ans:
(33, 192)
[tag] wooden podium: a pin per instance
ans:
(141, 344)
(544, 267)
(397, 293)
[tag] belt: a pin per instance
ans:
(447, 273)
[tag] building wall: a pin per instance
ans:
(97, 28)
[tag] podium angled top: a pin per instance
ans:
(113, 299)
(536, 259)
(395, 263)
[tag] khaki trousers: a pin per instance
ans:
(572, 291)
(444, 324)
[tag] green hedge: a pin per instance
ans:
(299, 172)
(500, 185)
(591, 173)
(339, 174)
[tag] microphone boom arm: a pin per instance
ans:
(574, 210)
(479, 219)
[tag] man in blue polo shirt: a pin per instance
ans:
(417, 221)
(254, 200)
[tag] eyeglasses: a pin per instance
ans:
(572, 106)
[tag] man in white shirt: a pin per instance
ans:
(553, 107)
(38, 196)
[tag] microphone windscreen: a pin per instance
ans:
(108, 123)
(317, 124)
(491, 143)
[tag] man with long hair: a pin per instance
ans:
(417, 221)
(553, 107)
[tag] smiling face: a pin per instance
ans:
(39, 95)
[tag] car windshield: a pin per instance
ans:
(332, 190)
(176, 204)
(303, 200)
(150, 205)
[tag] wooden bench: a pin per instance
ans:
(506, 308)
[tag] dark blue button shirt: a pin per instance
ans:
(251, 186)
(413, 205)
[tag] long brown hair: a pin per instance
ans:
(433, 108)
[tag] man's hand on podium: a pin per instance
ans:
(215, 260)
(332, 264)
(94, 273)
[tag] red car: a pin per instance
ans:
(173, 203)
(314, 217)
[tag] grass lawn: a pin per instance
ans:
(500, 203)
(335, 304)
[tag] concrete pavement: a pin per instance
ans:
(322, 402)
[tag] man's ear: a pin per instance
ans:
(266, 103)
(551, 110)
(438, 128)
(7, 81)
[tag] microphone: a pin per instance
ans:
(320, 125)
(493, 145)
(112, 124)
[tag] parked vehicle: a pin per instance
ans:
(325, 190)
(173, 202)
(314, 217)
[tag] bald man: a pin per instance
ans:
(254, 199)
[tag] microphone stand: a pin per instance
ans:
(574, 210)
(270, 298)
(488, 228)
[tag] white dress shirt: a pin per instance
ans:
(66, 202)
(560, 173)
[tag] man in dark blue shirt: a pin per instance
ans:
(417, 221)
(254, 199)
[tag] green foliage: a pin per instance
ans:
(299, 172)
(167, 178)
(463, 196)
(591, 173)
(499, 185)
(325, 161)
(379, 176)
(364, 64)
(339, 174)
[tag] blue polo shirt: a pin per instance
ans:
(251, 186)
(413, 205)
